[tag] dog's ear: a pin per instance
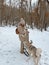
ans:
(17, 32)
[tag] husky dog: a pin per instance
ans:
(33, 52)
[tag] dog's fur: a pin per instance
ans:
(33, 52)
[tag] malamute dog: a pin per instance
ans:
(33, 52)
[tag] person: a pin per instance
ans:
(23, 34)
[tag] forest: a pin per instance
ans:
(36, 14)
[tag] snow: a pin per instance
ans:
(10, 46)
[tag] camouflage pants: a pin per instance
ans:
(22, 47)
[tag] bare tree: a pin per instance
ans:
(30, 14)
(1, 11)
(42, 7)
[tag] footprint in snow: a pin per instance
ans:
(46, 64)
(0, 42)
(45, 53)
(7, 62)
(0, 49)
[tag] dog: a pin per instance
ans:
(34, 52)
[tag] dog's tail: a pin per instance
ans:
(38, 52)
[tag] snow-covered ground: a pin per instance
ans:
(10, 46)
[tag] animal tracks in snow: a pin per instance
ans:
(45, 58)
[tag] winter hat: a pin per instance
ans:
(22, 21)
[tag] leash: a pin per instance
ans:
(26, 53)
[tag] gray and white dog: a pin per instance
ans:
(34, 52)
